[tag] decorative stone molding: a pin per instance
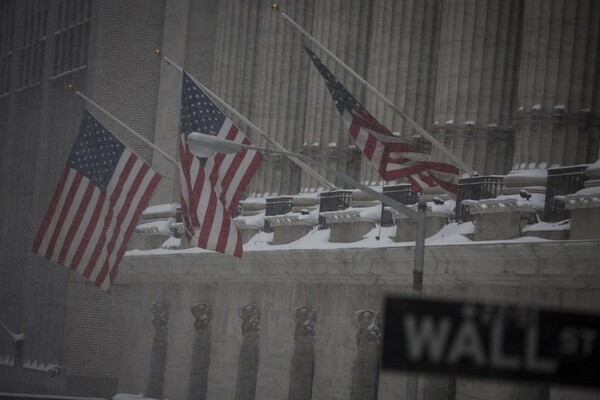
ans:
(305, 318)
(333, 217)
(289, 220)
(250, 315)
(580, 200)
(490, 206)
(369, 324)
(160, 311)
(203, 315)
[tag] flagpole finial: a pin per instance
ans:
(157, 52)
(275, 7)
(70, 87)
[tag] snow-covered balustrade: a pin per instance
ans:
(157, 225)
(292, 226)
(585, 206)
(352, 224)
(505, 216)
(436, 216)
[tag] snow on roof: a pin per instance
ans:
(162, 209)
(127, 396)
(451, 234)
(156, 227)
(535, 172)
(548, 226)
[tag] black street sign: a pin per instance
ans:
(492, 341)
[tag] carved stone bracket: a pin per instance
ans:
(305, 318)
(160, 310)
(369, 324)
(203, 315)
(250, 315)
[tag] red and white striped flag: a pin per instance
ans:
(392, 158)
(211, 187)
(101, 194)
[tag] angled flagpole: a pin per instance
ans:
(388, 102)
(232, 110)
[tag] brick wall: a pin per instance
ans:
(94, 330)
(123, 71)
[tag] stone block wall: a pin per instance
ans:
(93, 334)
(337, 284)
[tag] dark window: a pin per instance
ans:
(34, 41)
(72, 35)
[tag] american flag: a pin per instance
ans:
(101, 194)
(393, 159)
(211, 187)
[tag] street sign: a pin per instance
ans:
(491, 341)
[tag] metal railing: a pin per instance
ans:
(333, 200)
(476, 188)
(562, 181)
(402, 193)
(277, 206)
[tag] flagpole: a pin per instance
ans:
(130, 130)
(388, 102)
(229, 108)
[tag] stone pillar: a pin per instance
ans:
(403, 53)
(188, 26)
(201, 353)
(365, 380)
(158, 357)
(279, 95)
(343, 27)
(476, 71)
(303, 362)
(558, 64)
(248, 363)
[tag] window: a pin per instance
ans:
(7, 31)
(34, 42)
(72, 35)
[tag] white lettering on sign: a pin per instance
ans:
(430, 339)
(427, 337)
(533, 362)
(467, 343)
(497, 357)
(575, 341)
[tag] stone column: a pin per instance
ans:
(248, 364)
(188, 26)
(201, 353)
(344, 28)
(158, 357)
(278, 104)
(303, 362)
(558, 66)
(475, 80)
(365, 380)
(403, 53)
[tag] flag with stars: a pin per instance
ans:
(392, 158)
(211, 187)
(101, 194)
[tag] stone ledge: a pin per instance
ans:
(578, 201)
(489, 206)
(557, 263)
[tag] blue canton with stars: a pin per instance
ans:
(341, 97)
(198, 112)
(96, 152)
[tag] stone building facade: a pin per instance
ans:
(507, 85)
